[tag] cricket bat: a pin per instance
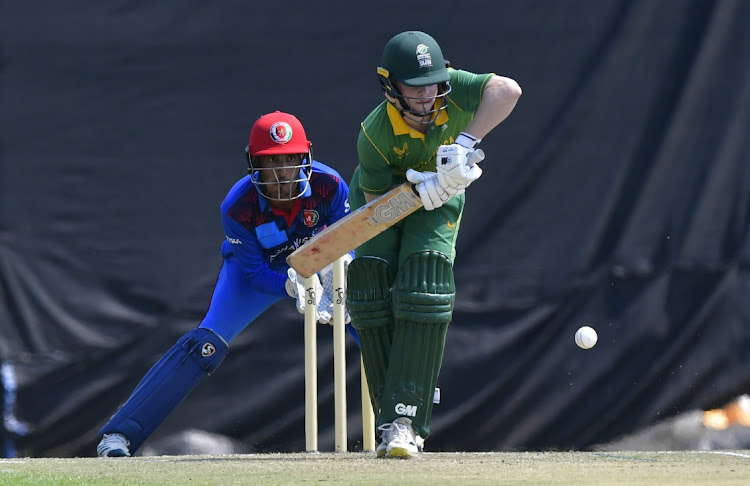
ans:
(356, 228)
(360, 226)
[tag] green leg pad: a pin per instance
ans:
(368, 299)
(423, 297)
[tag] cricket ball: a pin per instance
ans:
(586, 337)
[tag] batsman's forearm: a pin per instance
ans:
(498, 101)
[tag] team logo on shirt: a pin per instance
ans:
(281, 132)
(310, 217)
(423, 56)
(401, 151)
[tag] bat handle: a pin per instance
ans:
(475, 157)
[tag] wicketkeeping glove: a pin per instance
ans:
(295, 287)
(331, 295)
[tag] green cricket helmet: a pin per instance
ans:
(415, 59)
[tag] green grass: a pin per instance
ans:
(518, 468)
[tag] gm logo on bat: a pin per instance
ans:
(391, 210)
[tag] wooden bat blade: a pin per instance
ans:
(358, 227)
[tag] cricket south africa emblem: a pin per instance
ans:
(281, 132)
(423, 56)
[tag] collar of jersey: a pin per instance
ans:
(401, 128)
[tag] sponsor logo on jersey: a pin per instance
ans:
(234, 241)
(310, 217)
(407, 410)
(288, 248)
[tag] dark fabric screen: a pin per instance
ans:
(616, 196)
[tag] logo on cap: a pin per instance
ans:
(423, 56)
(281, 132)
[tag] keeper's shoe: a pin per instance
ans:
(399, 440)
(113, 445)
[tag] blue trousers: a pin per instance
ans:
(235, 303)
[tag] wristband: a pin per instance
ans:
(466, 140)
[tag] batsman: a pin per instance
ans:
(400, 287)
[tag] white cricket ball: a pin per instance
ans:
(586, 337)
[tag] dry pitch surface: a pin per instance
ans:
(726, 468)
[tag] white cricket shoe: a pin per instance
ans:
(399, 439)
(113, 445)
(382, 448)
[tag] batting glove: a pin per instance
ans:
(433, 195)
(456, 166)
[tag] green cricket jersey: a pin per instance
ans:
(388, 147)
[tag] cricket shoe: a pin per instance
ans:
(399, 440)
(113, 445)
(383, 446)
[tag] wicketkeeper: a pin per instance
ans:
(286, 198)
(400, 285)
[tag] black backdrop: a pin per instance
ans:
(615, 196)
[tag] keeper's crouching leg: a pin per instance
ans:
(368, 298)
(423, 299)
(167, 383)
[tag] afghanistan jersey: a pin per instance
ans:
(260, 238)
(388, 147)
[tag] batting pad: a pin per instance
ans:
(368, 298)
(167, 383)
(423, 298)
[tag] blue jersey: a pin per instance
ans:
(260, 238)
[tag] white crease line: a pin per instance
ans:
(724, 453)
